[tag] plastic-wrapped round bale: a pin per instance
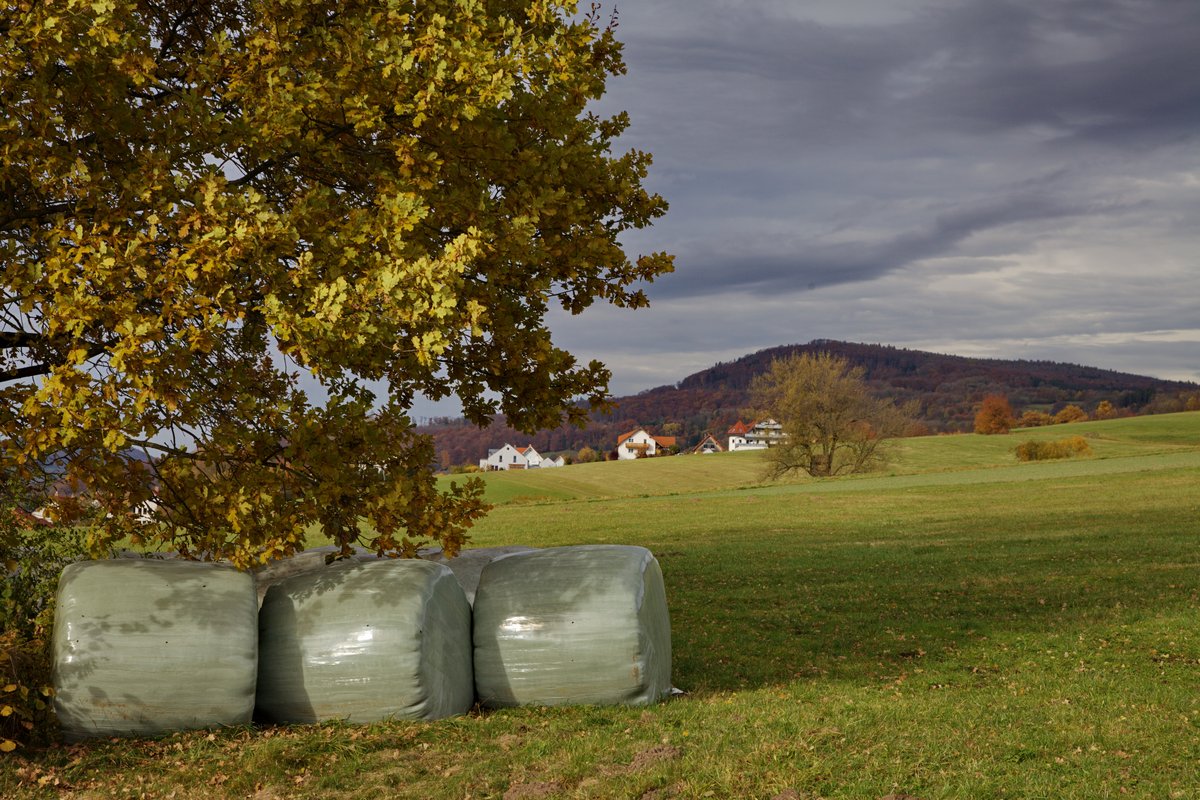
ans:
(145, 647)
(586, 624)
(365, 642)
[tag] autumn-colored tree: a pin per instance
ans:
(1105, 410)
(202, 200)
(1034, 419)
(586, 455)
(995, 415)
(831, 422)
(1070, 413)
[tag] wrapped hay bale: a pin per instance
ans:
(365, 641)
(468, 565)
(564, 625)
(317, 558)
(145, 647)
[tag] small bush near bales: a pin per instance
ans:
(1044, 451)
(31, 556)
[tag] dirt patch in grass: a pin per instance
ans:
(530, 791)
(644, 760)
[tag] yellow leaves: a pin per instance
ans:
(430, 182)
(7, 745)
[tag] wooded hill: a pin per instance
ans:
(949, 389)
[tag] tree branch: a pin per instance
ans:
(36, 214)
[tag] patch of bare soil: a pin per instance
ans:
(531, 791)
(655, 755)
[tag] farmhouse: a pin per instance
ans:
(640, 444)
(511, 457)
(755, 435)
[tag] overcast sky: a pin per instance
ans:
(1000, 178)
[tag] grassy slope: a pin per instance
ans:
(1177, 434)
(967, 628)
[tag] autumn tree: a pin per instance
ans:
(1034, 419)
(831, 422)
(203, 200)
(1070, 413)
(995, 415)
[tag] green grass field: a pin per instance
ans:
(958, 625)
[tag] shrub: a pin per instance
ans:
(1044, 451)
(1071, 413)
(32, 555)
(1034, 419)
(25, 713)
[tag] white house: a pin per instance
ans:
(755, 436)
(510, 457)
(640, 444)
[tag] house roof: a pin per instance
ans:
(708, 437)
(621, 439)
(739, 429)
(664, 441)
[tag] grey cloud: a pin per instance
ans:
(1111, 72)
(764, 269)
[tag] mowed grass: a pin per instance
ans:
(975, 628)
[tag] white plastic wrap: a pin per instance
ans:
(145, 647)
(365, 642)
(572, 625)
(468, 565)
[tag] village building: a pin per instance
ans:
(755, 435)
(708, 444)
(641, 444)
(512, 457)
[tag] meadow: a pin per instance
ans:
(956, 625)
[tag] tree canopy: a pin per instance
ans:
(201, 200)
(831, 422)
(995, 415)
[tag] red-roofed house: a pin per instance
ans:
(640, 444)
(755, 435)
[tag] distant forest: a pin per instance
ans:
(949, 389)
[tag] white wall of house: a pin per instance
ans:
(507, 457)
(768, 431)
(742, 443)
(511, 457)
(635, 443)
